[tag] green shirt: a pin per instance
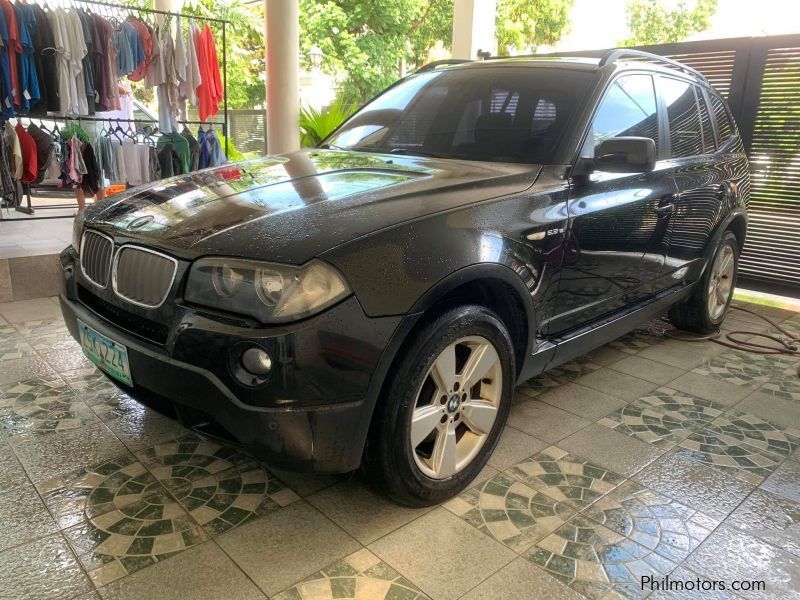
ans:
(181, 147)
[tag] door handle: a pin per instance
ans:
(664, 209)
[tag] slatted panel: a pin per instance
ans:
(716, 66)
(772, 252)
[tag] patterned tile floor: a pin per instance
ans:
(691, 470)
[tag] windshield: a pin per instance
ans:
(507, 114)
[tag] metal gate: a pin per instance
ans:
(760, 77)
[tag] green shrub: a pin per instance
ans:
(316, 125)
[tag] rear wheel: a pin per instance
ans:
(446, 405)
(704, 311)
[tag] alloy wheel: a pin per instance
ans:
(720, 284)
(456, 407)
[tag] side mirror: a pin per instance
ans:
(626, 155)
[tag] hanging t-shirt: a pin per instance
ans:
(30, 164)
(119, 155)
(209, 93)
(6, 86)
(194, 149)
(155, 74)
(90, 184)
(16, 151)
(7, 188)
(28, 79)
(61, 43)
(106, 160)
(147, 45)
(87, 27)
(46, 63)
(14, 48)
(78, 104)
(130, 51)
(181, 148)
(216, 156)
(188, 89)
(44, 150)
(107, 67)
(133, 169)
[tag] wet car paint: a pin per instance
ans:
(289, 209)
(404, 231)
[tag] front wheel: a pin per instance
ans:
(445, 407)
(704, 311)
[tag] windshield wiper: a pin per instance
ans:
(415, 152)
(332, 147)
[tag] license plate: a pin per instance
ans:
(107, 354)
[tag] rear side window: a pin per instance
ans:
(724, 129)
(627, 109)
(683, 116)
(709, 143)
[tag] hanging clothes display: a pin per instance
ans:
(70, 64)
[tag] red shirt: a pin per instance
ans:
(209, 92)
(14, 48)
(30, 161)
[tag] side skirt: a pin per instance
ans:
(554, 351)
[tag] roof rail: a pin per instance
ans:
(614, 55)
(440, 63)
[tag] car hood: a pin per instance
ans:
(291, 208)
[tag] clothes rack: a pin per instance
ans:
(122, 10)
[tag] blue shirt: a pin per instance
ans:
(130, 50)
(28, 80)
(6, 96)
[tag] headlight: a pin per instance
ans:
(268, 292)
(77, 230)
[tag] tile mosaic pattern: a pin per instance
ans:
(745, 445)
(91, 385)
(580, 526)
(41, 405)
(124, 520)
(662, 418)
(596, 561)
(785, 384)
(14, 347)
(744, 368)
(39, 327)
(634, 342)
(510, 511)
(564, 477)
(537, 386)
(665, 526)
(361, 575)
(574, 369)
(220, 486)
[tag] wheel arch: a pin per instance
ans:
(494, 286)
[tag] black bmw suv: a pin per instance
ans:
(375, 300)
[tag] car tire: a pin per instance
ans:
(704, 311)
(424, 392)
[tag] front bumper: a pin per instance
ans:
(314, 412)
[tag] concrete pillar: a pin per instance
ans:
(282, 34)
(473, 27)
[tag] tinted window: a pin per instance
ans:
(514, 114)
(724, 131)
(683, 117)
(709, 143)
(627, 109)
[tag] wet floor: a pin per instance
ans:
(646, 459)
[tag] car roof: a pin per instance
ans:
(582, 63)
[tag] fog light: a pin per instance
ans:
(257, 361)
